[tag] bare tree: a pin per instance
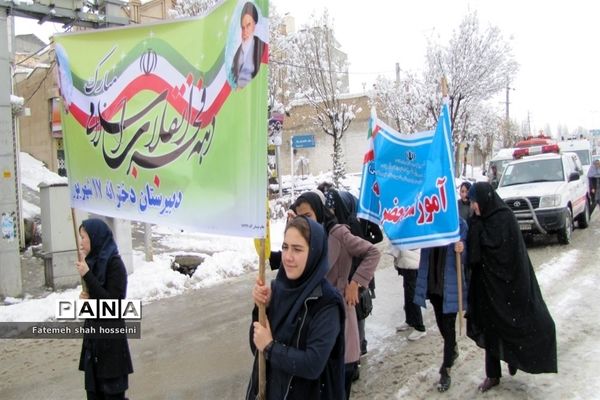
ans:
(319, 75)
(280, 90)
(476, 64)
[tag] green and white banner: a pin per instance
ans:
(167, 123)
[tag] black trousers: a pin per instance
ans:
(102, 396)
(349, 373)
(446, 324)
(493, 368)
(412, 311)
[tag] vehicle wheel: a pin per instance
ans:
(583, 220)
(564, 235)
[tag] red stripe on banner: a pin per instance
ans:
(158, 85)
(376, 129)
(80, 116)
(369, 156)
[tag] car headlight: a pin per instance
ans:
(550, 201)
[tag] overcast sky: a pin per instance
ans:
(555, 43)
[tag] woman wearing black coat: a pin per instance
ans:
(106, 362)
(303, 340)
(507, 315)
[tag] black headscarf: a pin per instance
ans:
(507, 313)
(343, 204)
(289, 295)
(102, 247)
(324, 217)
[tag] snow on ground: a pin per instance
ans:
(225, 257)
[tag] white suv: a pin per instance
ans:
(547, 192)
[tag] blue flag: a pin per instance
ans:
(408, 185)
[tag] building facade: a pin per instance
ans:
(354, 140)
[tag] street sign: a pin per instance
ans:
(303, 141)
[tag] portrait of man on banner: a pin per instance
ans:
(247, 59)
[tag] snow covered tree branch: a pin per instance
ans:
(478, 65)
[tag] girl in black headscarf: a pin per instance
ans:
(303, 340)
(343, 247)
(464, 205)
(105, 361)
(507, 315)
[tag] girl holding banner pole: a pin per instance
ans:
(343, 246)
(437, 280)
(106, 362)
(303, 340)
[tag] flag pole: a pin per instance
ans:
(262, 319)
(460, 295)
(458, 262)
(263, 248)
(79, 258)
(444, 87)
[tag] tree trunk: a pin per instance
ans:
(339, 166)
(464, 173)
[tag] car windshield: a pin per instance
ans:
(584, 156)
(534, 171)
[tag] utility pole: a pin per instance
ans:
(10, 272)
(507, 135)
(397, 74)
(507, 102)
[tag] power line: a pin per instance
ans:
(42, 81)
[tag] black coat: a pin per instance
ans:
(309, 348)
(507, 314)
(111, 357)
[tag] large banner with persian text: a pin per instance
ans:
(167, 123)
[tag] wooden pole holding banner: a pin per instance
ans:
(262, 319)
(263, 248)
(444, 83)
(460, 296)
(76, 232)
(444, 87)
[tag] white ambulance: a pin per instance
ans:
(547, 192)
(582, 147)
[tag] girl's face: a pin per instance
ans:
(305, 210)
(475, 208)
(294, 253)
(84, 243)
(463, 193)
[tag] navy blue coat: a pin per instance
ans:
(312, 367)
(450, 297)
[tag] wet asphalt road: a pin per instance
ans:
(195, 346)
